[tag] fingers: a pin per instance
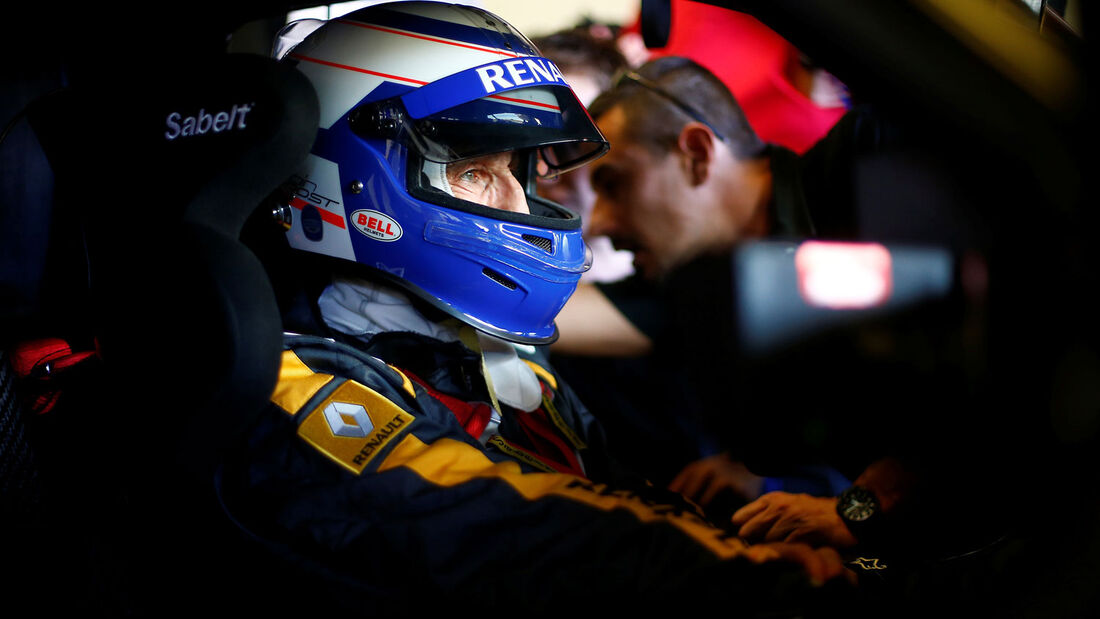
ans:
(757, 527)
(780, 516)
(747, 512)
(683, 479)
(834, 566)
(757, 518)
(815, 564)
(787, 527)
(692, 480)
(712, 489)
(820, 564)
(794, 533)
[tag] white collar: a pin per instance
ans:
(363, 309)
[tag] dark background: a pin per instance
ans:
(1024, 414)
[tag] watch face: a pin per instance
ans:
(857, 504)
(858, 510)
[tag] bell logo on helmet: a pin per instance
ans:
(376, 225)
(205, 122)
(346, 419)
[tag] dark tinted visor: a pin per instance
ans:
(489, 109)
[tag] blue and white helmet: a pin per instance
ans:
(406, 88)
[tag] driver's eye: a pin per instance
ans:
(469, 176)
(483, 171)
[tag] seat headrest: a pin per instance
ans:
(159, 173)
(224, 127)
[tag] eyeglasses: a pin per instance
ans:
(648, 84)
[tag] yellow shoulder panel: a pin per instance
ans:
(353, 424)
(297, 383)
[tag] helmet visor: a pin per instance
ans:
(509, 105)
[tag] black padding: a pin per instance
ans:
(158, 173)
(20, 488)
(132, 140)
(656, 22)
(144, 260)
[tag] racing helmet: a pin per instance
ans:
(406, 88)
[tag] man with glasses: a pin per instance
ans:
(686, 177)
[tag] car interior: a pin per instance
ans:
(141, 336)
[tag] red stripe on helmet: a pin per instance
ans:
(388, 76)
(327, 216)
(358, 69)
(549, 106)
(427, 38)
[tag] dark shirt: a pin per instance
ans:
(678, 392)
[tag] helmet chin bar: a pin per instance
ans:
(418, 295)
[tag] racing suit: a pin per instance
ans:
(386, 467)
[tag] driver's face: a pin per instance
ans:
(489, 181)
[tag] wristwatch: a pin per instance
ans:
(859, 509)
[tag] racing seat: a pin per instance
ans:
(174, 321)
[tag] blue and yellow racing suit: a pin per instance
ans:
(369, 464)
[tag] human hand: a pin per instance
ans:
(821, 564)
(704, 479)
(785, 517)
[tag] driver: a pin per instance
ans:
(418, 443)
